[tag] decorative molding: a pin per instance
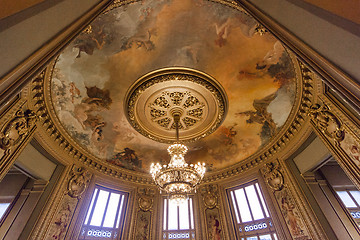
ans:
(176, 89)
(341, 136)
(17, 129)
(77, 182)
(144, 214)
(327, 122)
(210, 196)
(212, 214)
(273, 177)
(146, 199)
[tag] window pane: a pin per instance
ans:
(345, 198)
(254, 202)
(99, 208)
(356, 196)
(235, 208)
(184, 215)
(165, 210)
(120, 210)
(265, 237)
(262, 199)
(91, 206)
(111, 210)
(275, 236)
(191, 214)
(3, 207)
(243, 206)
(252, 238)
(173, 216)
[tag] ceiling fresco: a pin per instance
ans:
(91, 77)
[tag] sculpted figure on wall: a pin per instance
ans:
(327, 122)
(78, 182)
(273, 176)
(17, 128)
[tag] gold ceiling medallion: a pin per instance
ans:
(198, 98)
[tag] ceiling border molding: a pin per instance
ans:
(40, 93)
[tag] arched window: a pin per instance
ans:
(105, 215)
(251, 216)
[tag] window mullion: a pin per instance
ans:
(178, 217)
(352, 198)
(189, 214)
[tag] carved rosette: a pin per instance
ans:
(17, 129)
(209, 195)
(198, 98)
(78, 182)
(327, 122)
(146, 199)
(273, 176)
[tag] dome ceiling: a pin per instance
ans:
(90, 79)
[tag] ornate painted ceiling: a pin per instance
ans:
(90, 79)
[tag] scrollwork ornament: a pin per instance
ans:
(209, 196)
(17, 128)
(327, 122)
(273, 176)
(78, 182)
(146, 199)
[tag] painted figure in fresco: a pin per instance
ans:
(288, 209)
(74, 92)
(272, 57)
(355, 153)
(62, 222)
(228, 133)
(142, 41)
(261, 115)
(88, 41)
(127, 159)
(222, 32)
(215, 228)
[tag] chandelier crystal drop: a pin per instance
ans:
(178, 178)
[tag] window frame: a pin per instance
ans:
(348, 210)
(194, 220)
(126, 209)
(271, 229)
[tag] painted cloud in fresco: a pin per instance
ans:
(93, 73)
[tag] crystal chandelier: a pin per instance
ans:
(178, 178)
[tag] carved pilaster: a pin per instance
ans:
(274, 177)
(213, 221)
(144, 214)
(77, 183)
(14, 135)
